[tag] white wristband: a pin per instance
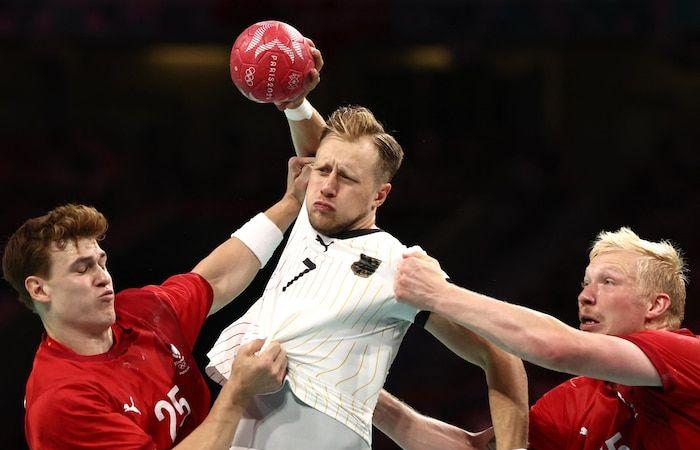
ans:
(301, 112)
(261, 236)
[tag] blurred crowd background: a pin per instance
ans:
(528, 126)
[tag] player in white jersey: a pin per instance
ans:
(330, 302)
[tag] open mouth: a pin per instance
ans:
(586, 320)
(588, 323)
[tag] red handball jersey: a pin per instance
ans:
(146, 392)
(588, 414)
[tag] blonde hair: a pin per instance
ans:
(354, 122)
(661, 268)
(27, 251)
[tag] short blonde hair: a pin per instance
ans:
(351, 123)
(661, 269)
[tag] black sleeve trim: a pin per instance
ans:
(421, 318)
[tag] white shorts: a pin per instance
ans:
(280, 421)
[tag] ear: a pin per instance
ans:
(658, 306)
(37, 288)
(380, 196)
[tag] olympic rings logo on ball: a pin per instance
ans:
(249, 76)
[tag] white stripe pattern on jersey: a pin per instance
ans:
(339, 324)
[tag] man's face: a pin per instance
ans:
(610, 301)
(80, 288)
(344, 191)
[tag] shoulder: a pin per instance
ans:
(674, 354)
(571, 390)
(152, 299)
(649, 338)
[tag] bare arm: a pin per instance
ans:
(232, 265)
(505, 376)
(411, 430)
(306, 134)
(528, 334)
(251, 375)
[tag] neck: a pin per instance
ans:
(659, 325)
(364, 223)
(82, 343)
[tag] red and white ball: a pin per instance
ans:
(270, 61)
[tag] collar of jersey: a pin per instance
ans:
(123, 337)
(355, 233)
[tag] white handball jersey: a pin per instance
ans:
(330, 302)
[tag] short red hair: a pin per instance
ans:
(27, 250)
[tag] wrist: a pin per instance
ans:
(261, 236)
(236, 396)
(302, 112)
(441, 295)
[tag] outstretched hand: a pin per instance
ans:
(311, 81)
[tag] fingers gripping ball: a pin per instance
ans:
(270, 61)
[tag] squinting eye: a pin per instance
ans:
(82, 269)
(609, 281)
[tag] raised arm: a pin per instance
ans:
(305, 123)
(505, 376)
(528, 334)
(232, 265)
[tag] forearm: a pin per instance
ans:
(218, 428)
(505, 376)
(232, 265)
(413, 431)
(306, 134)
(528, 334)
(508, 402)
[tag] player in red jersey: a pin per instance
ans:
(116, 371)
(639, 383)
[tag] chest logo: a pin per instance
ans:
(131, 408)
(366, 266)
(179, 360)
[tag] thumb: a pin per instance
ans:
(252, 347)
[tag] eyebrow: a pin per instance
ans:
(86, 260)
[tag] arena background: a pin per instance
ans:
(528, 126)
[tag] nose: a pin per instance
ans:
(103, 278)
(329, 188)
(586, 296)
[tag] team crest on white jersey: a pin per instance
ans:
(179, 360)
(366, 266)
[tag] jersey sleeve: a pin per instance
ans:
(676, 356)
(191, 297)
(79, 419)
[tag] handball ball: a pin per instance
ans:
(270, 61)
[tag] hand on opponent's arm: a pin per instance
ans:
(231, 267)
